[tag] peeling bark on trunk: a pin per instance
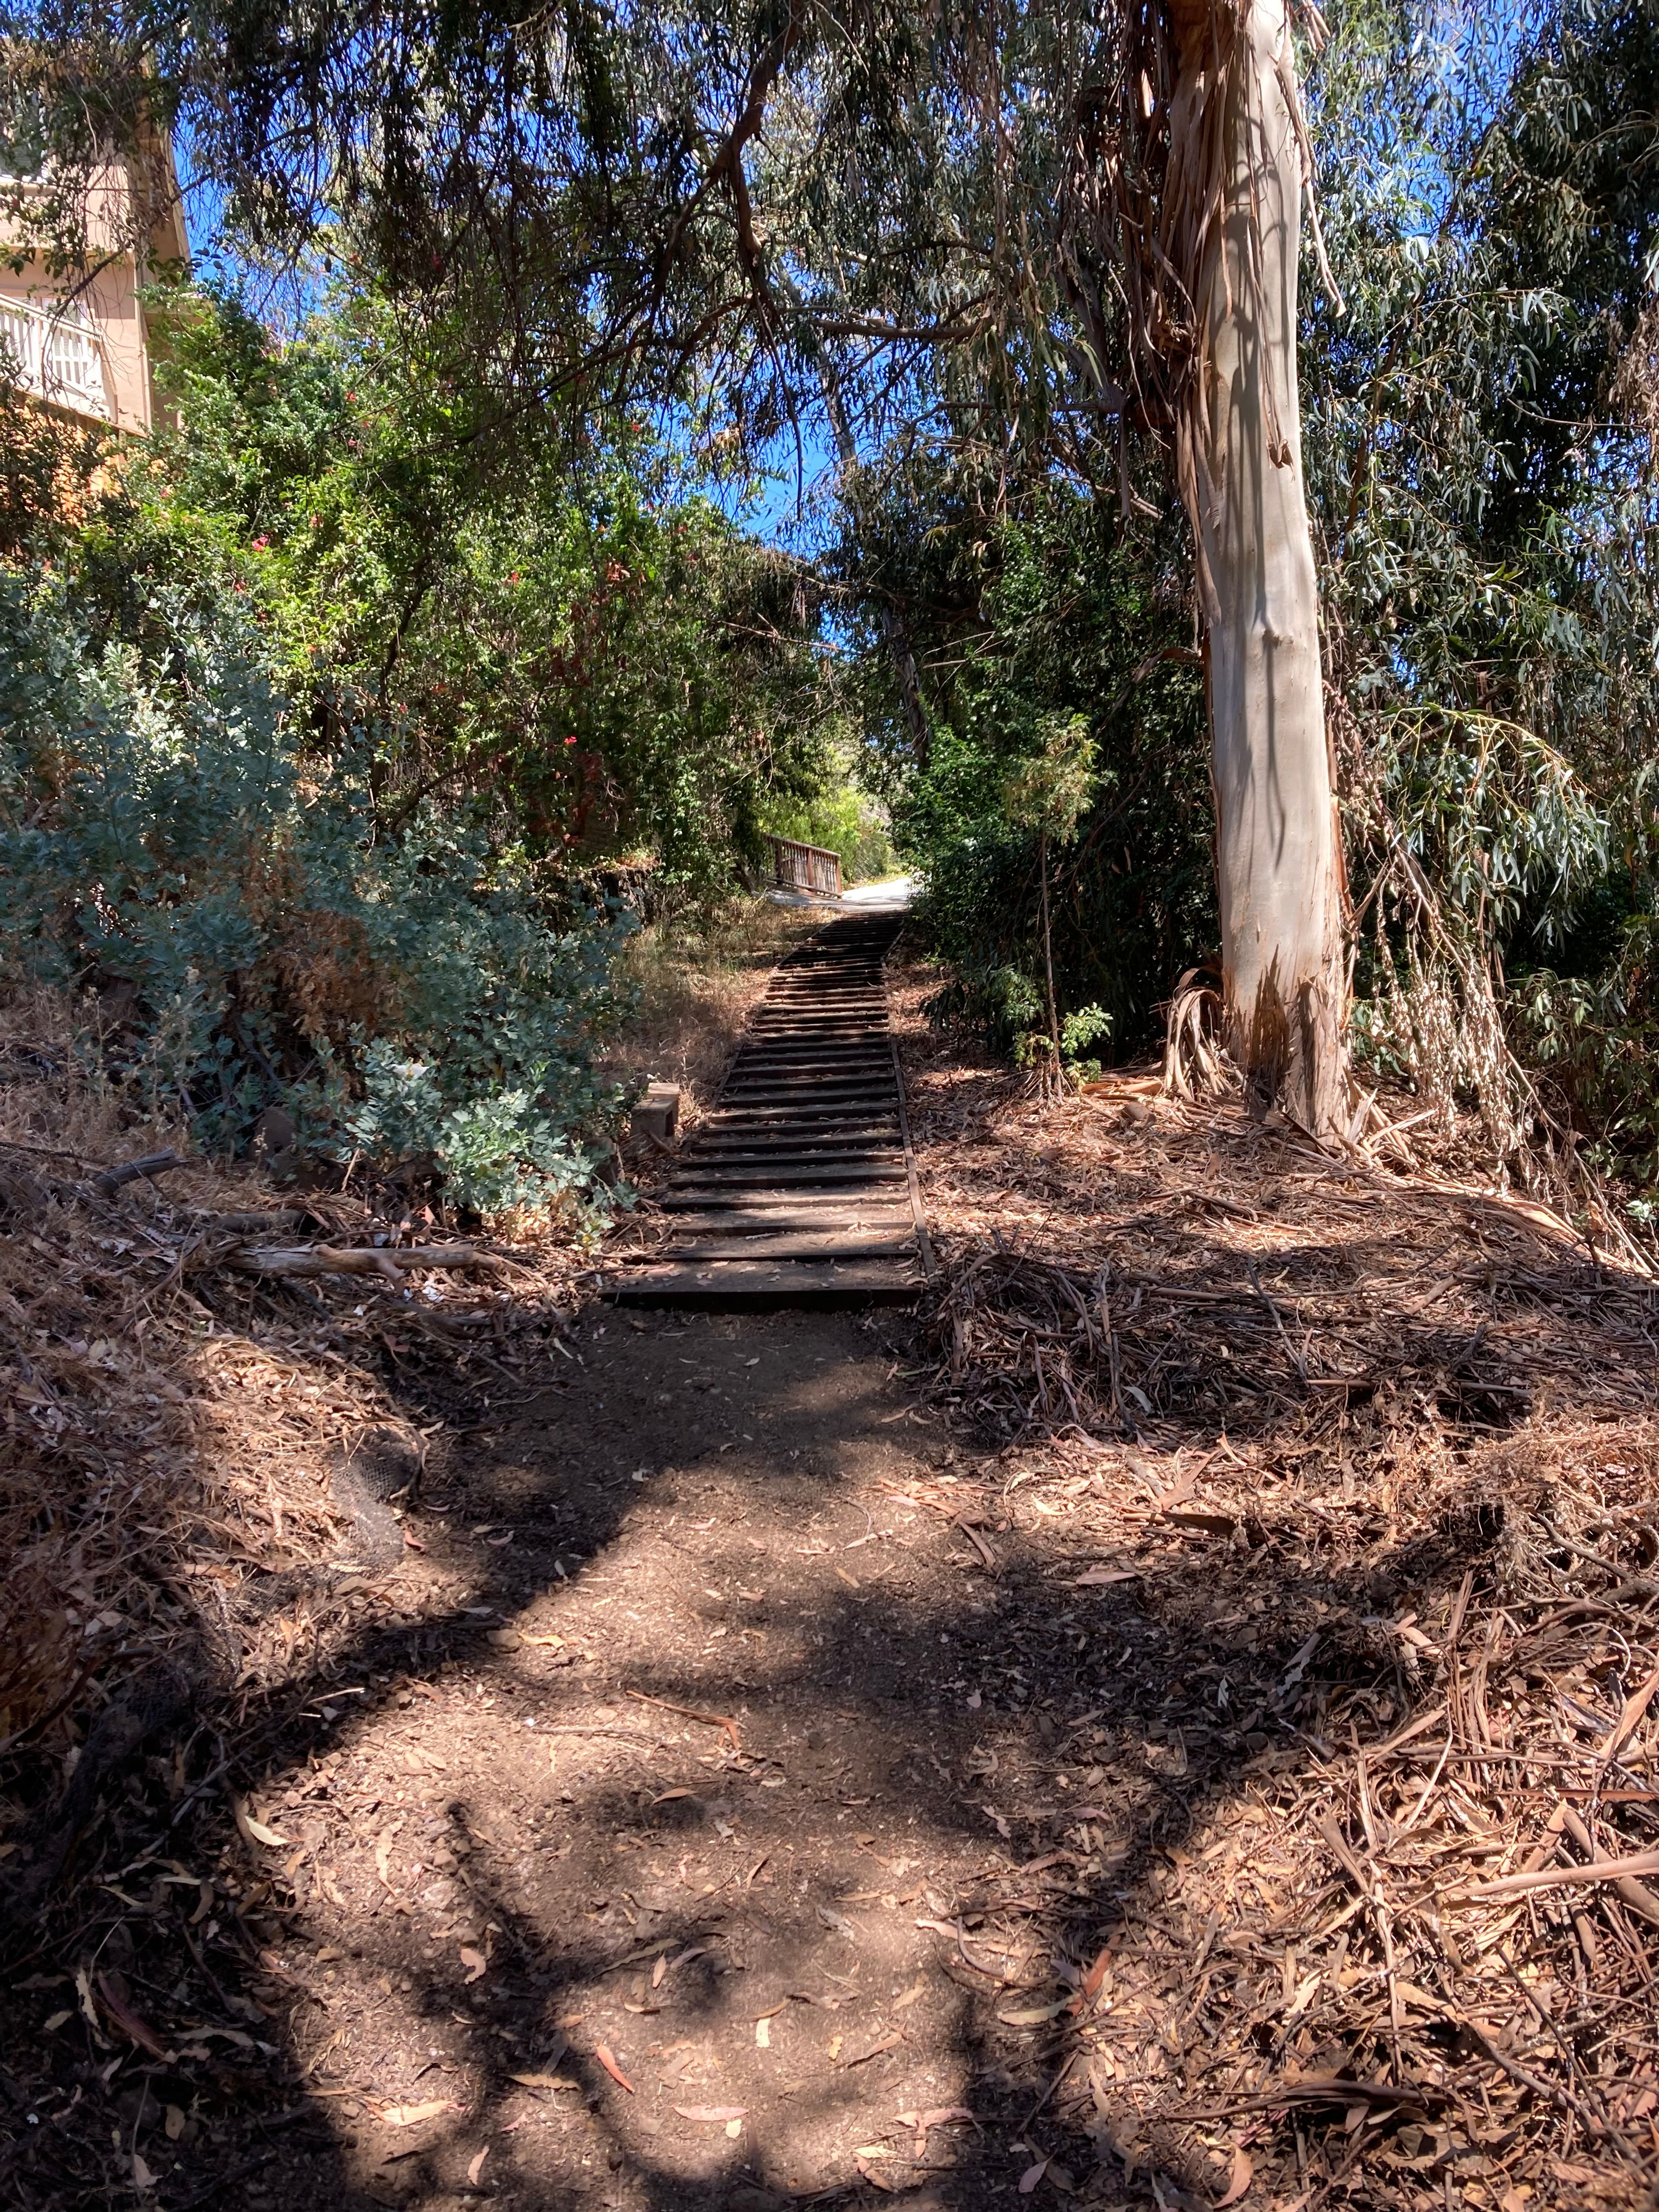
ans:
(1278, 855)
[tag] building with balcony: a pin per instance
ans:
(80, 343)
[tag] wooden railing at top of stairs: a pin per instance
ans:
(798, 867)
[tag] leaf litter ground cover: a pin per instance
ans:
(1044, 1749)
(1376, 1460)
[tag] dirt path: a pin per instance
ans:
(746, 1788)
(631, 1876)
(726, 1813)
(520, 1865)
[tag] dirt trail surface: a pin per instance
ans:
(634, 1875)
(1100, 1736)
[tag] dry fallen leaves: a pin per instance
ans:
(255, 1831)
(607, 2058)
(1238, 2179)
(132, 2026)
(941, 2116)
(411, 2116)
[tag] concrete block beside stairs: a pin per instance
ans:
(658, 1114)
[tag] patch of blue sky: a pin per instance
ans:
(283, 297)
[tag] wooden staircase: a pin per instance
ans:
(799, 1188)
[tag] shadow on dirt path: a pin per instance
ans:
(735, 1821)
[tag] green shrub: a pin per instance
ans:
(163, 848)
(1594, 1042)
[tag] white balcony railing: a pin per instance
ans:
(54, 352)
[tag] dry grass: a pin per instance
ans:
(1379, 1453)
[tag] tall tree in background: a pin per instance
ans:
(1193, 161)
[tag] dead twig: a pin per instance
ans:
(1516, 1885)
(389, 1261)
(693, 1713)
(152, 1163)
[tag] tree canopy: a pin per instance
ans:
(575, 269)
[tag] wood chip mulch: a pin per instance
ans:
(1176, 1727)
(1378, 1457)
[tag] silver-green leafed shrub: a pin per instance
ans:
(251, 937)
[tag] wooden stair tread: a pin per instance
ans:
(799, 1187)
(769, 1284)
(804, 1244)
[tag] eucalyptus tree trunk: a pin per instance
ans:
(1237, 155)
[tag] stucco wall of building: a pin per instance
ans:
(104, 298)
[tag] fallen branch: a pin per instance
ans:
(1513, 1885)
(693, 1713)
(1318, 2089)
(152, 1163)
(389, 1261)
(1636, 1894)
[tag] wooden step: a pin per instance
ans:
(766, 1122)
(812, 1055)
(803, 1244)
(733, 1284)
(833, 1150)
(845, 1219)
(751, 1198)
(798, 1106)
(847, 1036)
(780, 1151)
(744, 1090)
(796, 1075)
(840, 1166)
(782, 1175)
